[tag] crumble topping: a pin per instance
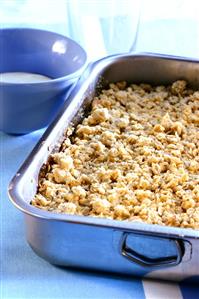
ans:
(135, 157)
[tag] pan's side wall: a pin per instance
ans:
(152, 70)
(96, 248)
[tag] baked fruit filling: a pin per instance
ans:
(135, 157)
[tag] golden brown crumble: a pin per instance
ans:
(135, 157)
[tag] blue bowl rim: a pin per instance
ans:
(63, 78)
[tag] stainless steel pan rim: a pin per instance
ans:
(79, 90)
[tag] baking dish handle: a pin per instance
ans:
(144, 261)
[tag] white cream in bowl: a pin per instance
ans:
(22, 77)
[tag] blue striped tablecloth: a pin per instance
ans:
(26, 276)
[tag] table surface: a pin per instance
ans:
(26, 276)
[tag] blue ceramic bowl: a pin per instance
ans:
(25, 107)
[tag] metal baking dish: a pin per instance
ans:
(108, 245)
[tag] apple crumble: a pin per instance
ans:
(135, 157)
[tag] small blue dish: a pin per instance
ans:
(26, 107)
